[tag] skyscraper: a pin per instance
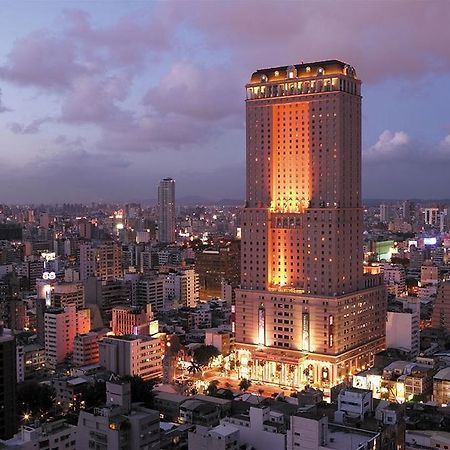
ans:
(166, 210)
(305, 313)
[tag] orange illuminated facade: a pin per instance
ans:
(306, 311)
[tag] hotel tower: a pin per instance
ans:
(306, 314)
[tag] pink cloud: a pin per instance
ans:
(207, 93)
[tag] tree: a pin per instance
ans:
(194, 368)
(204, 354)
(244, 384)
(34, 399)
(212, 388)
(141, 390)
(95, 394)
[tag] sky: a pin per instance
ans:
(99, 100)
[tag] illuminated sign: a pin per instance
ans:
(48, 256)
(48, 275)
(330, 331)
(47, 289)
(261, 325)
(305, 323)
(429, 241)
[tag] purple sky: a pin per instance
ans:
(101, 99)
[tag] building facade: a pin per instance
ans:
(305, 313)
(7, 384)
(166, 211)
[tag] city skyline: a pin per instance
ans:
(163, 110)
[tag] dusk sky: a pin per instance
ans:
(101, 99)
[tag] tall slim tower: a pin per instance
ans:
(305, 313)
(166, 210)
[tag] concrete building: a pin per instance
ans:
(102, 260)
(119, 424)
(132, 320)
(441, 309)
(85, 348)
(221, 437)
(403, 328)
(354, 403)
(222, 340)
(181, 288)
(66, 294)
(61, 327)
(8, 424)
(132, 355)
(166, 211)
(306, 313)
(150, 290)
(441, 387)
(429, 273)
(394, 276)
(263, 429)
(431, 216)
(424, 439)
(58, 435)
(218, 265)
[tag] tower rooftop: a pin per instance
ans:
(303, 70)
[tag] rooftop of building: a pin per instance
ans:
(341, 437)
(303, 70)
(443, 374)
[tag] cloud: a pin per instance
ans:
(3, 108)
(32, 128)
(43, 60)
(398, 166)
(389, 147)
(96, 101)
(197, 91)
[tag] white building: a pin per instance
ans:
(418, 439)
(221, 437)
(181, 288)
(57, 435)
(403, 328)
(132, 355)
(263, 429)
(353, 403)
(395, 279)
(119, 424)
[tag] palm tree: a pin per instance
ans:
(194, 367)
(244, 384)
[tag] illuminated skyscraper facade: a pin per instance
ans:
(166, 211)
(305, 313)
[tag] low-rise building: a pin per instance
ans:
(58, 435)
(441, 387)
(119, 424)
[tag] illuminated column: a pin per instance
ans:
(261, 325)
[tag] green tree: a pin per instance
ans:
(141, 390)
(212, 388)
(34, 399)
(244, 384)
(95, 394)
(204, 354)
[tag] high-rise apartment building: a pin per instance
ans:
(166, 210)
(306, 313)
(61, 327)
(102, 260)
